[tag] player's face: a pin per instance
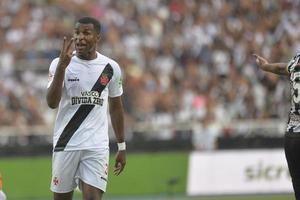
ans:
(85, 38)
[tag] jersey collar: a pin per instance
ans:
(86, 61)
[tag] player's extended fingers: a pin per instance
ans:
(116, 172)
(121, 169)
(63, 44)
(118, 169)
(259, 60)
(257, 57)
(69, 45)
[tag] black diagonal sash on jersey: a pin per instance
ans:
(83, 110)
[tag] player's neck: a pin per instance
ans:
(88, 56)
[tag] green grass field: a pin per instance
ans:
(146, 178)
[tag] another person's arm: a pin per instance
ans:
(117, 119)
(55, 88)
(276, 68)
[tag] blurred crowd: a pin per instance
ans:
(183, 60)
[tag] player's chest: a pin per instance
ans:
(82, 78)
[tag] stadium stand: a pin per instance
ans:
(187, 64)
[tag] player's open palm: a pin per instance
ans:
(66, 52)
(260, 61)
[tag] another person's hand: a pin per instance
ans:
(120, 162)
(260, 61)
(66, 53)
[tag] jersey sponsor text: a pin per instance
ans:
(87, 97)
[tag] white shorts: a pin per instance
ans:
(71, 167)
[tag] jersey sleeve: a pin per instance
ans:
(52, 69)
(292, 63)
(115, 86)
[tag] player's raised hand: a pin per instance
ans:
(120, 162)
(276, 68)
(66, 52)
(260, 61)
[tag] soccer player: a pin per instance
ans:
(82, 84)
(292, 136)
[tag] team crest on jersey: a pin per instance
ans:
(104, 79)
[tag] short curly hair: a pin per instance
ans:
(90, 20)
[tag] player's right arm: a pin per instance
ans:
(276, 68)
(55, 88)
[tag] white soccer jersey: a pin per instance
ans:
(81, 121)
(294, 115)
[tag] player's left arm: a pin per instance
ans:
(117, 119)
(276, 68)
